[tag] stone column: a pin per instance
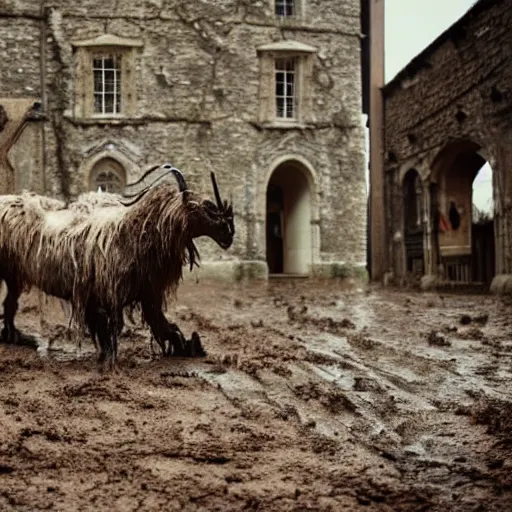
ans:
(502, 185)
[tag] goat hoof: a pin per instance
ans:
(196, 347)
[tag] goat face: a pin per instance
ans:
(208, 219)
(214, 220)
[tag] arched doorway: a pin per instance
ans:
(108, 175)
(465, 236)
(413, 222)
(288, 220)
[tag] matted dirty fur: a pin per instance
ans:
(85, 204)
(119, 255)
(89, 201)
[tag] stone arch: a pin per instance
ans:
(412, 193)
(465, 251)
(420, 166)
(447, 155)
(308, 170)
(110, 156)
(291, 216)
(413, 209)
(108, 175)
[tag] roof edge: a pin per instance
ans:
(419, 61)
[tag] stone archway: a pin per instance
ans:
(289, 240)
(413, 213)
(107, 175)
(115, 159)
(465, 248)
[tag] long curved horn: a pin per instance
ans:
(169, 168)
(182, 184)
(144, 176)
(216, 190)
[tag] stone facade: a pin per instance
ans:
(446, 114)
(194, 76)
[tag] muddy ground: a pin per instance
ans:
(313, 396)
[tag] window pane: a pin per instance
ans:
(98, 81)
(109, 103)
(98, 104)
(109, 62)
(285, 7)
(108, 181)
(109, 81)
(289, 107)
(107, 84)
(280, 107)
(279, 88)
(285, 88)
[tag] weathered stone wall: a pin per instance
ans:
(458, 89)
(459, 74)
(19, 57)
(198, 79)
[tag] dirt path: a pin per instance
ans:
(313, 397)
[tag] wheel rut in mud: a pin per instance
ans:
(312, 396)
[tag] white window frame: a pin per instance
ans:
(116, 57)
(290, 77)
(86, 51)
(298, 10)
(285, 5)
(269, 56)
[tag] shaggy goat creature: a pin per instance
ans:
(111, 257)
(85, 204)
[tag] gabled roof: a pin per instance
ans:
(108, 40)
(287, 46)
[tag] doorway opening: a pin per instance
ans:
(465, 224)
(288, 221)
(413, 223)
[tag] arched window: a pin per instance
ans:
(108, 176)
(413, 199)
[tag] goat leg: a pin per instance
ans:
(167, 334)
(106, 330)
(176, 340)
(9, 333)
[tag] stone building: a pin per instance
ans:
(267, 93)
(447, 113)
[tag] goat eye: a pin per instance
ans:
(210, 205)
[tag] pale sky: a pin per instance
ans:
(410, 26)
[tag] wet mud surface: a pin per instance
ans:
(311, 397)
